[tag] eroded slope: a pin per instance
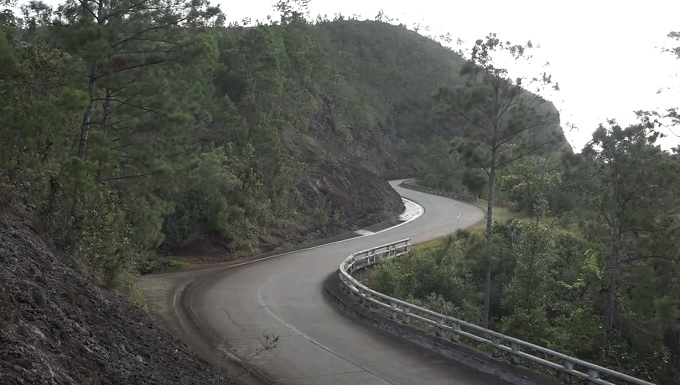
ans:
(58, 327)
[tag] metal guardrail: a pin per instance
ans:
(407, 183)
(411, 185)
(501, 346)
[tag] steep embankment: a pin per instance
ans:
(58, 327)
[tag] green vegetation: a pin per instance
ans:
(503, 123)
(589, 265)
(590, 270)
(135, 130)
(593, 271)
(138, 130)
(501, 215)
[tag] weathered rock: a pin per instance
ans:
(58, 327)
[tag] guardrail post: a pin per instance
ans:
(567, 377)
(343, 284)
(594, 374)
(495, 352)
(361, 295)
(514, 359)
(393, 310)
(455, 337)
(367, 303)
(407, 311)
(440, 327)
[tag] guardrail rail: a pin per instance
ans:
(409, 184)
(501, 346)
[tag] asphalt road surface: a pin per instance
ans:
(283, 296)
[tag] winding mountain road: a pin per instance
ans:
(283, 296)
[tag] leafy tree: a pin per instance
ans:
(35, 113)
(629, 184)
(119, 40)
(442, 168)
(531, 182)
(622, 173)
(502, 118)
(293, 11)
(529, 294)
(475, 180)
(203, 207)
(97, 186)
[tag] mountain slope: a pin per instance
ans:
(227, 142)
(58, 326)
(393, 73)
(351, 98)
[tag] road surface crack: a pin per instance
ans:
(232, 320)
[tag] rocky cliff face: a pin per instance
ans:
(354, 188)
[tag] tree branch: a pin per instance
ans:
(506, 140)
(140, 65)
(134, 79)
(639, 257)
(84, 4)
(604, 214)
(643, 230)
(128, 9)
(155, 40)
(145, 30)
(523, 154)
(125, 103)
(124, 177)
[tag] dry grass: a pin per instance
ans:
(500, 214)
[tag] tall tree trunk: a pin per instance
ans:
(613, 262)
(87, 116)
(106, 110)
(91, 86)
(489, 240)
(611, 292)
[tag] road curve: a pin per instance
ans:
(283, 296)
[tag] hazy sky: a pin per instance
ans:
(606, 55)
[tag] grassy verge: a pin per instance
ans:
(500, 214)
(176, 263)
(160, 264)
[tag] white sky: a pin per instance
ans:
(606, 55)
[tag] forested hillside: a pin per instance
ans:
(169, 133)
(392, 74)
